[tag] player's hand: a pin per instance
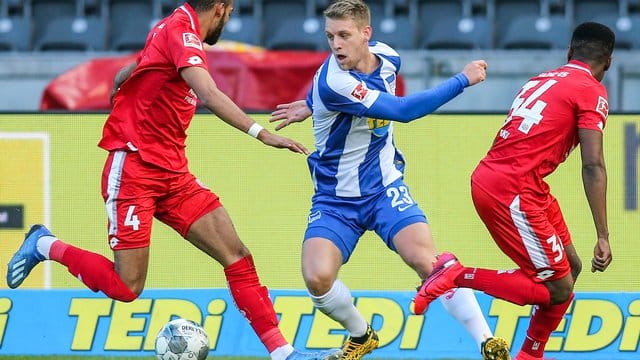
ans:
(601, 255)
(296, 111)
(281, 142)
(475, 71)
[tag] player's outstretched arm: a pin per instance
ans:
(220, 104)
(290, 113)
(594, 179)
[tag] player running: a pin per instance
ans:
(357, 173)
(146, 176)
(553, 113)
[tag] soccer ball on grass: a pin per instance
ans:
(182, 339)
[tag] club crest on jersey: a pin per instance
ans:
(603, 106)
(191, 40)
(360, 91)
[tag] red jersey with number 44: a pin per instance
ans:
(540, 132)
(154, 107)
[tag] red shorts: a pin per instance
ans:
(534, 238)
(135, 192)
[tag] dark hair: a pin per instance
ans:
(592, 41)
(205, 5)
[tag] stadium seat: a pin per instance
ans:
(73, 33)
(396, 32)
(586, 10)
(15, 34)
(626, 28)
(459, 33)
(432, 11)
(44, 11)
(535, 32)
(507, 11)
(129, 33)
(244, 29)
(301, 33)
(275, 11)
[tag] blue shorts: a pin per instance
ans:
(343, 220)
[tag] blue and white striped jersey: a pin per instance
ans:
(353, 116)
(355, 154)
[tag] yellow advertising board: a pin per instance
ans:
(267, 193)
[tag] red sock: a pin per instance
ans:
(513, 285)
(252, 299)
(544, 321)
(94, 270)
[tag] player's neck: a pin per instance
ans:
(368, 64)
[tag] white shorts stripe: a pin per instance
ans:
(114, 180)
(530, 240)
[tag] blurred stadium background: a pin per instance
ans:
(39, 39)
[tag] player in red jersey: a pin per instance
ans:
(146, 176)
(553, 113)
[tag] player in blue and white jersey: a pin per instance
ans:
(357, 173)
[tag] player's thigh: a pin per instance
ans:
(414, 243)
(554, 214)
(321, 261)
(129, 187)
(336, 220)
(214, 234)
(397, 218)
(525, 234)
(196, 213)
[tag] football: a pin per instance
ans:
(182, 339)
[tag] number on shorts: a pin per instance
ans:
(556, 246)
(132, 219)
(400, 197)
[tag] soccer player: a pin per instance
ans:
(357, 173)
(146, 176)
(553, 113)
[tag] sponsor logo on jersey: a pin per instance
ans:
(603, 106)
(195, 60)
(360, 91)
(191, 40)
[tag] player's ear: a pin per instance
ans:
(607, 65)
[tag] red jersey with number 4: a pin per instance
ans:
(154, 107)
(540, 132)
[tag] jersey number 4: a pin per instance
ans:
(529, 107)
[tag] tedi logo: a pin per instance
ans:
(631, 148)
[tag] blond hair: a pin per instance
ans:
(355, 10)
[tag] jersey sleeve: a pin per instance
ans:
(344, 93)
(592, 108)
(185, 48)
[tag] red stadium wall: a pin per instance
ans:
(255, 80)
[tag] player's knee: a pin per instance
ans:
(576, 269)
(318, 284)
(561, 291)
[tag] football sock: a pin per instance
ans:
(544, 321)
(253, 301)
(512, 285)
(282, 352)
(338, 305)
(44, 244)
(463, 306)
(95, 271)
